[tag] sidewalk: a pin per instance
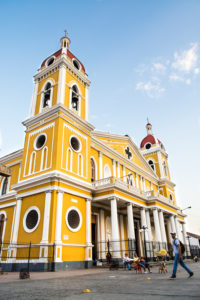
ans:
(14, 276)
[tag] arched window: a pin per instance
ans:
(93, 177)
(130, 179)
(107, 172)
(75, 98)
(47, 95)
(69, 160)
(171, 197)
(32, 163)
(151, 163)
(4, 186)
(44, 158)
(165, 169)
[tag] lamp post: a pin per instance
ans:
(186, 208)
(144, 228)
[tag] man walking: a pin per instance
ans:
(178, 257)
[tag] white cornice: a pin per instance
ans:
(57, 64)
(11, 156)
(115, 154)
(52, 176)
(9, 196)
(163, 181)
(56, 109)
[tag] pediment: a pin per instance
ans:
(125, 146)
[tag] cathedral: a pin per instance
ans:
(73, 193)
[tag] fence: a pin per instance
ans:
(26, 254)
(146, 249)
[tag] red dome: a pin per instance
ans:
(69, 54)
(149, 139)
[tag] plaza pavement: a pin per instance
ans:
(103, 284)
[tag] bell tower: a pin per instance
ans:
(61, 79)
(154, 152)
(58, 131)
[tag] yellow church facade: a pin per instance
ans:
(75, 193)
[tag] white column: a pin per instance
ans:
(100, 166)
(115, 228)
(144, 185)
(144, 221)
(45, 234)
(103, 242)
(16, 228)
(17, 219)
(185, 234)
(61, 84)
(118, 170)
(136, 179)
(157, 225)
(160, 164)
(131, 230)
(177, 228)
(124, 173)
(121, 219)
(87, 102)
(141, 183)
(151, 186)
(149, 225)
(162, 227)
(114, 167)
(173, 228)
(169, 229)
(88, 250)
(34, 99)
(58, 241)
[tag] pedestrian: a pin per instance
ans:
(178, 257)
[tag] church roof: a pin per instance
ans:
(69, 54)
(149, 139)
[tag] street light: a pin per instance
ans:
(186, 208)
(144, 227)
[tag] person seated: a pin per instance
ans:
(127, 261)
(136, 258)
(144, 265)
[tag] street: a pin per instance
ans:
(103, 284)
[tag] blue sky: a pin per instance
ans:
(142, 58)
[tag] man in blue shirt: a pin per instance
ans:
(178, 257)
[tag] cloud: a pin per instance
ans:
(196, 71)
(151, 88)
(187, 60)
(158, 67)
(176, 77)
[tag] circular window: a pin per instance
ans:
(75, 143)
(76, 64)
(31, 219)
(50, 61)
(148, 146)
(40, 141)
(73, 219)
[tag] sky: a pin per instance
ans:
(143, 60)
